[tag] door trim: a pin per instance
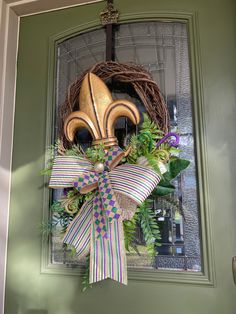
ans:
(207, 276)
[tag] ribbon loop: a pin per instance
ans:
(98, 226)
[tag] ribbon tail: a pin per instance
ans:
(107, 254)
(79, 231)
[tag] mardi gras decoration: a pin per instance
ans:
(97, 229)
(105, 187)
(129, 74)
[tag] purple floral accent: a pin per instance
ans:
(170, 142)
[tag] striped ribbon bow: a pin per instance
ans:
(97, 229)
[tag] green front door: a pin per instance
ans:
(29, 288)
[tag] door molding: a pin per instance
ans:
(10, 13)
(207, 276)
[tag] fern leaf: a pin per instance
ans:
(150, 229)
(85, 276)
(129, 227)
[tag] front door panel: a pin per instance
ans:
(30, 291)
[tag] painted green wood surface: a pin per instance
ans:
(28, 291)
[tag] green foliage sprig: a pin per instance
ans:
(50, 153)
(85, 277)
(130, 227)
(149, 226)
(58, 149)
(174, 167)
(46, 228)
(144, 145)
(96, 153)
(146, 219)
(60, 216)
(143, 151)
(75, 150)
(152, 128)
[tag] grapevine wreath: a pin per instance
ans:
(106, 189)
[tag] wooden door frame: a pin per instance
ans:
(10, 13)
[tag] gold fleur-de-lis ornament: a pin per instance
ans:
(99, 112)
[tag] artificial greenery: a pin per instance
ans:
(144, 218)
(58, 149)
(75, 150)
(49, 158)
(149, 227)
(175, 166)
(85, 277)
(163, 188)
(46, 228)
(129, 227)
(144, 145)
(96, 153)
(59, 217)
(143, 150)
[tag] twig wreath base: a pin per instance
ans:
(129, 73)
(99, 224)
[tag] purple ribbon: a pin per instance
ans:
(171, 142)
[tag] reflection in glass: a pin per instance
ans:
(162, 48)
